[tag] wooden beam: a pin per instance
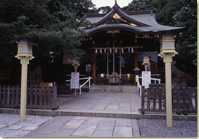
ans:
(124, 47)
(94, 67)
(136, 58)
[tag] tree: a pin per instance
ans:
(174, 13)
(138, 5)
(104, 9)
(52, 24)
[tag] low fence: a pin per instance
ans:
(42, 98)
(184, 100)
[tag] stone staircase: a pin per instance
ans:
(113, 89)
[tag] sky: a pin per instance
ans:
(121, 3)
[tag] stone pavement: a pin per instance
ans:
(104, 102)
(77, 126)
(10, 126)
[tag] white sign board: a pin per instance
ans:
(74, 82)
(146, 78)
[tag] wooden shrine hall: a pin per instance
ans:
(117, 43)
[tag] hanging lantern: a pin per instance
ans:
(122, 51)
(105, 51)
(132, 50)
(96, 51)
(116, 51)
(100, 51)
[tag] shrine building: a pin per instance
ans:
(117, 42)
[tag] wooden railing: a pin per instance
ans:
(139, 86)
(42, 98)
(184, 100)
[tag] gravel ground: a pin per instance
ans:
(157, 128)
(8, 121)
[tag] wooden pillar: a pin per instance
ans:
(113, 56)
(120, 64)
(156, 67)
(94, 67)
(136, 57)
(107, 64)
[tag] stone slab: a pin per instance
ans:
(15, 127)
(85, 130)
(79, 118)
(30, 128)
(73, 124)
(108, 127)
(98, 133)
(136, 131)
(122, 132)
(92, 121)
(106, 121)
(123, 122)
(62, 132)
(3, 125)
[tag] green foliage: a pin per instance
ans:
(138, 5)
(175, 13)
(104, 9)
(52, 24)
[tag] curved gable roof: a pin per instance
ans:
(117, 9)
(144, 22)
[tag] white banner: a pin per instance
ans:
(74, 82)
(146, 78)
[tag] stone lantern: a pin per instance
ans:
(75, 64)
(167, 51)
(145, 61)
(24, 54)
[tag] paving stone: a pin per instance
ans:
(62, 132)
(92, 120)
(30, 128)
(112, 106)
(122, 132)
(124, 108)
(85, 130)
(73, 124)
(3, 125)
(79, 118)
(15, 127)
(123, 122)
(107, 121)
(55, 124)
(108, 127)
(136, 131)
(101, 133)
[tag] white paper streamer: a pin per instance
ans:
(100, 51)
(116, 51)
(128, 50)
(110, 51)
(96, 51)
(105, 51)
(122, 51)
(132, 50)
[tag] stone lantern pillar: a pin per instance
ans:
(167, 51)
(24, 54)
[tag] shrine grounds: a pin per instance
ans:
(96, 115)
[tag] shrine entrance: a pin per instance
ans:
(117, 42)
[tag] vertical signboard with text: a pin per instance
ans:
(74, 83)
(146, 78)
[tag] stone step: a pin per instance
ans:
(130, 115)
(123, 89)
